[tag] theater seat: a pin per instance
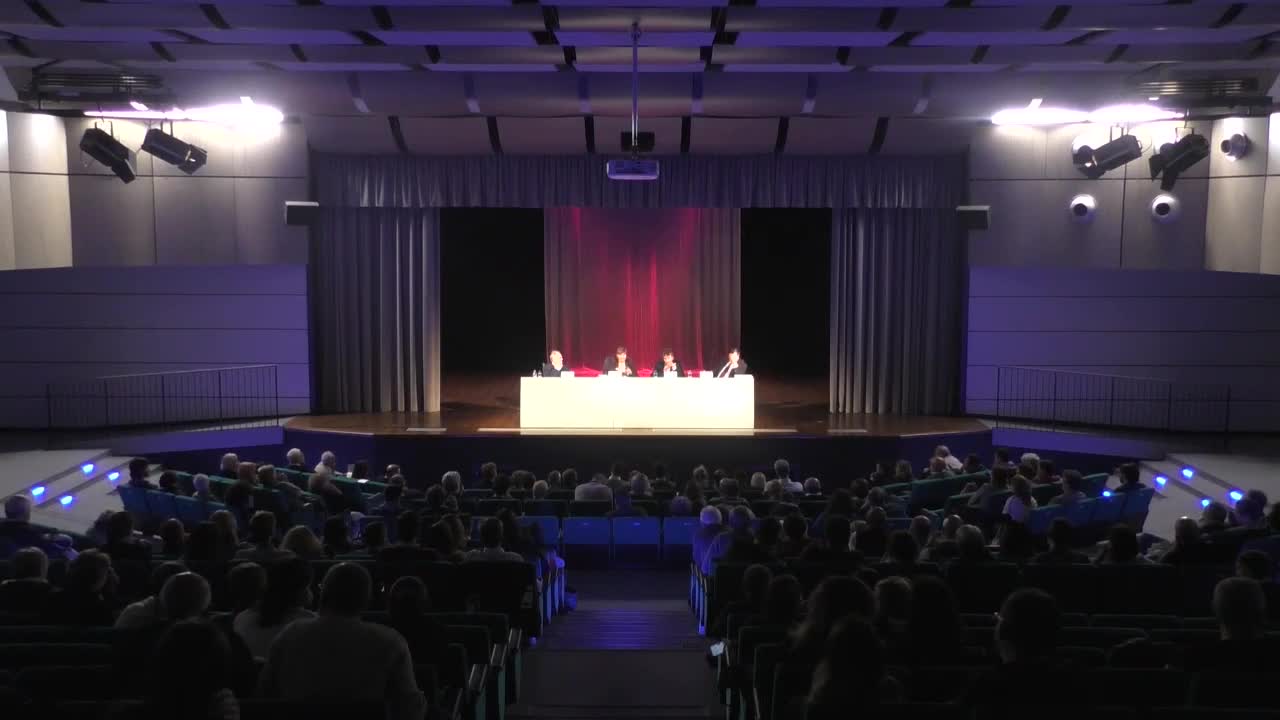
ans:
(549, 527)
(586, 540)
(981, 587)
(134, 501)
(590, 508)
(636, 537)
(677, 538)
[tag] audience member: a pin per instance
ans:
(1130, 478)
(296, 460)
(893, 611)
(998, 482)
(710, 525)
(441, 538)
(750, 603)
(228, 535)
(169, 483)
(943, 545)
(173, 538)
(973, 465)
(937, 469)
(1213, 519)
(121, 545)
(971, 546)
(836, 597)
(329, 460)
(200, 488)
(262, 540)
(839, 504)
(595, 490)
(16, 530)
(623, 507)
(1248, 515)
(408, 603)
(303, 543)
(227, 467)
(833, 552)
(190, 675)
(1026, 640)
(148, 611)
(491, 538)
(138, 468)
(374, 663)
(901, 553)
(1122, 547)
(782, 602)
(795, 536)
(26, 594)
(1017, 544)
(850, 680)
(782, 471)
(1045, 473)
(337, 539)
(872, 536)
(1072, 489)
(953, 463)
(1000, 458)
(769, 535)
(321, 485)
(1061, 544)
(373, 537)
(288, 593)
(662, 484)
(83, 598)
(730, 495)
(1188, 548)
(758, 481)
(1020, 503)
(640, 486)
(921, 529)
(737, 545)
(1240, 607)
(246, 583)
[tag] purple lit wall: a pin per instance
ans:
(1197, 327)
(79, 323)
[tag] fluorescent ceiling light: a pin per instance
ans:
(140, 107)
(1134, 113)
(1039, 115)
(232, 114)
(1126, 114)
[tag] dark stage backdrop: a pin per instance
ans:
(786, 286)
(647, 279)
(491, 290)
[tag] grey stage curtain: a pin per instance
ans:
(686, 181)
(375, 309)
(897, 278)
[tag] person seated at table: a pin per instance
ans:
(669, 365)
(735, 365)
(555, 366)
(619, 363)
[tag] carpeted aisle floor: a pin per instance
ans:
(630, 650)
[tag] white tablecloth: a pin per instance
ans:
(657, 403)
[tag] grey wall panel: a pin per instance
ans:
(242, 346)
(112, 223)
(41, 221)
(4, 145)
(1007, 152)
(29, 379)
(1269, 260)
(1147, 244)
(8, 259)
(279, 152)
(1255, 162)
(1188, 327)
(1233, 229)
(215, 280)
(261, 235)
(154, 311)
(195, 220)
(1030, 223)
(23, 412)
(1097, 314)
(37, 144)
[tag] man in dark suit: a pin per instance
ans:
(555, 366)
(735, 366)
(619, 363)
(669, 365)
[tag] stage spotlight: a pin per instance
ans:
(1235, 147)
(100, 146)
(1093, 163)
(1174, 158)
(183, 155)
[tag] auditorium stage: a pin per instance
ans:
(480, 421)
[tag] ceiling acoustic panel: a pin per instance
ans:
(622, 38)
(815, 39)
(365, 134)
(1183, 36)
(83, 34)
(536, 136)
(829, 136)
(651, 19)
(733, 136)
(446, 136)
(281, 36)
(974, 39)
(514, 38)
(418, 93)
(538, 95)
(926, 136)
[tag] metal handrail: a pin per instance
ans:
(181, 372)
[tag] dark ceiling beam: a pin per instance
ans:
(1086, 37)
(357, 95)
(1116, 53)
(214, 17)
(43, 13)
(904, 39)
(186, 36)
(433, 53)
(367, 38)
(162, 51)
(298, 53)
(382, 16)
(877, 137)
(686, 131)
(589, 130)
(780, 141)
(1056, 17)
(495, 141)
(393, 121)
(979, 54)
(550, 24)
(887, 16)
(1229, 15)
(20, 47)
(810, 94)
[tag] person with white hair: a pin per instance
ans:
(640, 486)
(297, 460)
(451, 483)
(229, 466)
(953, 463)
(329, 460)
(812, 487)
(758, 481)
(200, 487)
(782, 471)
(710, 525)
(597, 489)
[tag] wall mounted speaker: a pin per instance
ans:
(301, 212)
(974, 217)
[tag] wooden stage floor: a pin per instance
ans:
(490, 406)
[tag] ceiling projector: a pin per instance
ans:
(632, 169)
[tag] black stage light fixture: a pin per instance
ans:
(1174, 158)
(181, 154)
(99, 145)
(1096, 162)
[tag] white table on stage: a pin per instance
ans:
(654, 403)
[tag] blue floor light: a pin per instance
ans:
(66, 500)
(1106, 493)
(1188, 473)
(1235, 495)
(1204, 502)
(1161, 480)
(37, 491)
(87, 468)
(114, 475)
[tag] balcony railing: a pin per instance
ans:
(184, 396)
(1075, 398)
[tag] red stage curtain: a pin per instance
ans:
(646, 279)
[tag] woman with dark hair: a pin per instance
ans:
(172, 538)
(840, 504)
(935, 631)
(782, 601)
(439, 536)
(835, 598)
(408, 603)
(228, 537)
(901, 553)
(851, 674)
(336, 539)
(191, 675)
(202, 545)
(287, 596)
(998, 482)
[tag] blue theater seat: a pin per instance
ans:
(636, 537)
(1042, 518)
(134, 501)
(160, 505)
(548, 526)
(677, 538)
(586, 540)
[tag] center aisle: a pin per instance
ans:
(630, 650)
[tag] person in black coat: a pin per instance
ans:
(619, 363)
(668, 365)
(734, 366)
(555, 364)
